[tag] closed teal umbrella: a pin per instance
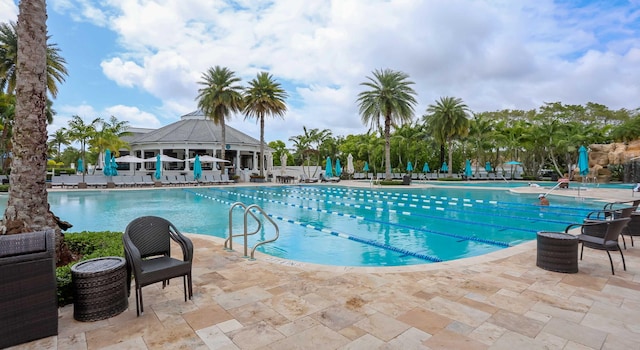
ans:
(444, 167)
(114, 166)
(409, 167)
(106, 167)
(197, 168)
(338, 168)
(487, 167)
(366, 167)
(583, 161)
(425, 168)
(328, 172)
(80, 166)
(158, 173)
(467, 169)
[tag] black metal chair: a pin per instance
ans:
(147, 247)
(601, 235)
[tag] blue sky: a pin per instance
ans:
(141, 60)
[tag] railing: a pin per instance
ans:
(249, 210)
(229, 239)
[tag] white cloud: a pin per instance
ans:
(492, 54)
(8, 11)
(135, 116)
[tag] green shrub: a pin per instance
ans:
(85, 245)
(4, 188)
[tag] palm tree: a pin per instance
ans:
(57, 139)
(27, 207)
(82, 132)
(448, 119)
(220, 97)
(264, 96)
(391, 98)
(56, 70)
(110, 137)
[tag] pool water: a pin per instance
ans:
(336, 225)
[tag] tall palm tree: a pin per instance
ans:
(448, 119)
(57, 139)
(82, 132)
(27, 207)
(391, 98)
(264, 96)
(110, 136)
(220, 96)
(55, 64)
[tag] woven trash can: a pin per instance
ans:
(100, 288)
(557, 252)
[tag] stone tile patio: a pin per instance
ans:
(497, 301)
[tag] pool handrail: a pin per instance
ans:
(244, 233)
(266, 216)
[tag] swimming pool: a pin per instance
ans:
(513, 184)
(337, 225)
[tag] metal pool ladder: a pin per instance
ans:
(249, 210)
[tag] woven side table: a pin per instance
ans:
(100, 288)
(557, 252)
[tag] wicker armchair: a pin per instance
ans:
(602, 235)
(147, 247)
(28, 301)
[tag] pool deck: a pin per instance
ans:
(496, 301)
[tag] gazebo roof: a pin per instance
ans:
(194, 127)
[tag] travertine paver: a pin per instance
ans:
(498, 301)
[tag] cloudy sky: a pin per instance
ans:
(141, 60)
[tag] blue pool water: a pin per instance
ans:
(338, 225)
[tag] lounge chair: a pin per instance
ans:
(96, 180)
(329, 179)
(601, 235)
(224, 178)
(304, 178)
(147, 247)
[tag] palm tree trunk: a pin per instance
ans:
(387, 146)
(223, 152)
(28, 208)
(450, 158)
(261, 161)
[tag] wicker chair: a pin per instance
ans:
(602, 235)
(28, 301)
(632, 229)
(147, 242)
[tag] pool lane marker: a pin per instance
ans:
(333, 233)
(454, 201)
(435, 207)
(452, 235)
(480, 201)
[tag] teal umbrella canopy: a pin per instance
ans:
(425, 168)
(338, 168)
(106, 168)
(197, 168)
(487, 167)
(80, 166)
(513, 162)
(366, 167)
(409, 167)
(158, 173)
(467, 169)
(583, 161)
(444, 167)
(328, 172)
(114, 166)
